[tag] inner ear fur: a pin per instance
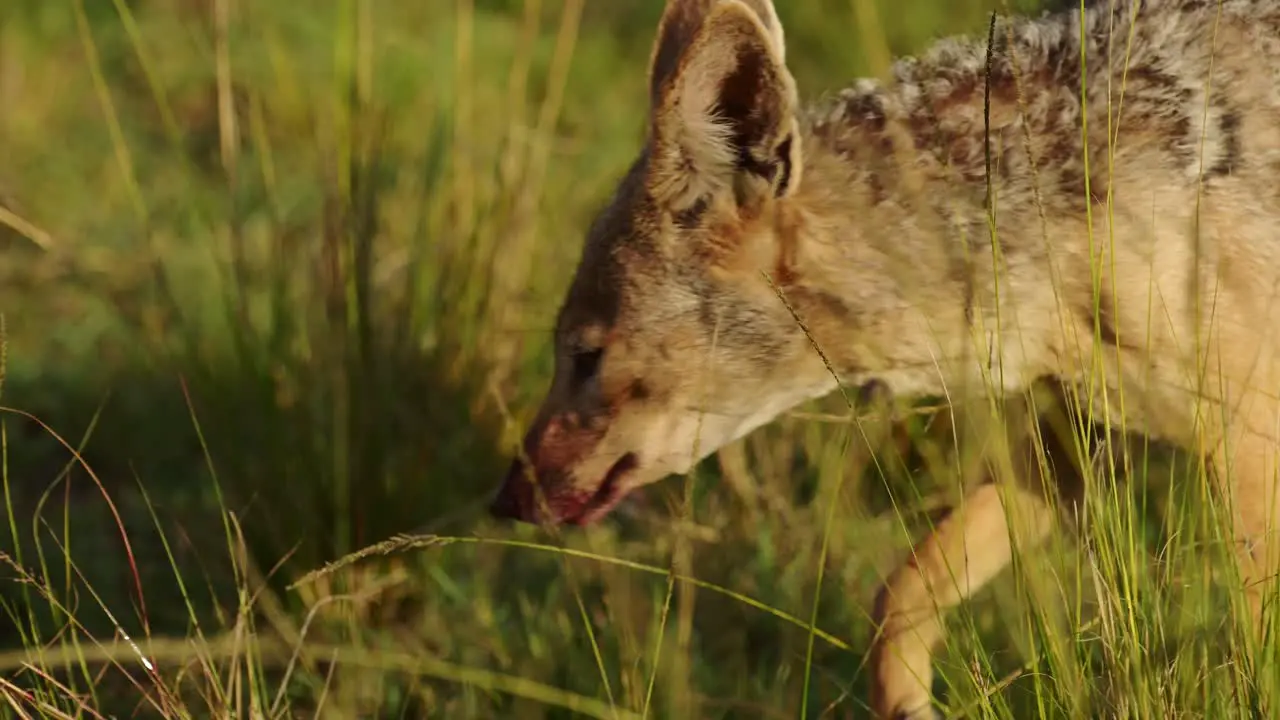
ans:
(724, 112)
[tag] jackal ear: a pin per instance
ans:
(725, 119)
(680, 23)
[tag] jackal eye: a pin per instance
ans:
(586, 363)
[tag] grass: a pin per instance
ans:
(277, 283)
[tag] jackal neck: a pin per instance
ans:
(930, 202)
(897, 251)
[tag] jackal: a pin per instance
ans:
(1094, 203)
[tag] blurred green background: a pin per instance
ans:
(277, 282)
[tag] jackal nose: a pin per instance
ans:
(504, 506)
(508, 503)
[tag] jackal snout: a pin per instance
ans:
(563, 475)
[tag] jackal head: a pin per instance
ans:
(672, 342)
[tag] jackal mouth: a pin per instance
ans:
(608, 495)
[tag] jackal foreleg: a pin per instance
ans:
(969, 547)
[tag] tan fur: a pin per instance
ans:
(1135, 264)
